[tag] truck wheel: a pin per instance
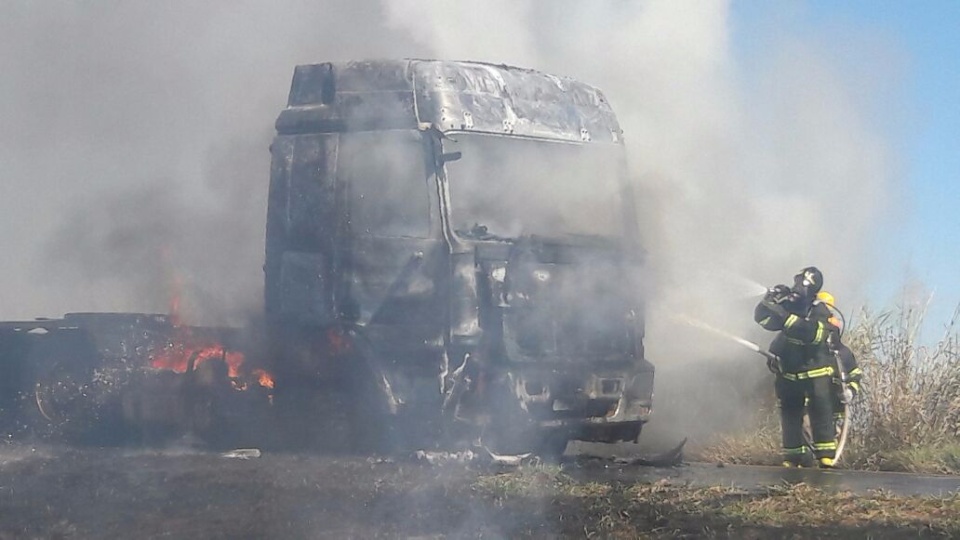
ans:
(62, 404)
(312, 417)
(372, 427)
(552, 444)
(511, 430)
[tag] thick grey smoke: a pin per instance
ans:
(754, 178)
(133, 144)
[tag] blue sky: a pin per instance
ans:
(921, 41)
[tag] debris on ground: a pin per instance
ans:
(443, 458)
(670, 458)
(512, 460)
(242, 453)
(487, 456)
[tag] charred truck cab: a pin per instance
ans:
(452, 246)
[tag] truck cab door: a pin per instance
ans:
(394, 256)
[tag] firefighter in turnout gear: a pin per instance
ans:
(807, 365)
(844, 393)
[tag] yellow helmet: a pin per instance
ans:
(828, 299)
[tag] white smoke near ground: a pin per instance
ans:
(133, 148)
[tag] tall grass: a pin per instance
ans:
(908, 416)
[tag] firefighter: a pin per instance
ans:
(848, 362)
(806, 368)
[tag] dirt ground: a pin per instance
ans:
(112, 493)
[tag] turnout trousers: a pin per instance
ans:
(815, 396)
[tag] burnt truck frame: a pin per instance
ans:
(454, 321)
(439, 264)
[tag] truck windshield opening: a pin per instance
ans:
(509, 187)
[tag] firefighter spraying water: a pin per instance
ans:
(807, 345)
(817, 376)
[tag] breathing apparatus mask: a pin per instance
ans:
(808, 282)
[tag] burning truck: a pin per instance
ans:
(451, 254)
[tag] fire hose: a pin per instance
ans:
(773, 361)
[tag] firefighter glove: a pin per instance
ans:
(777, 293)
(849, 394)
(773, 364)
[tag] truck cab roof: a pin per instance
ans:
(449, 96)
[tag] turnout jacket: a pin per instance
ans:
(802, 343)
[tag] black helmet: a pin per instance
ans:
(808, 282)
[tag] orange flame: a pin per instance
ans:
(263, 378)
(184, 347)
(176, 357)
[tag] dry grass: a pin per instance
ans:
(803, 506)
(536, 481)
(908, 416)
(757, 446)
(665, 510)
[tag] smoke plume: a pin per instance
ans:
(134, 146)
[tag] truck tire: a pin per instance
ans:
(64, 405)
(511, 430)
(552, 444)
